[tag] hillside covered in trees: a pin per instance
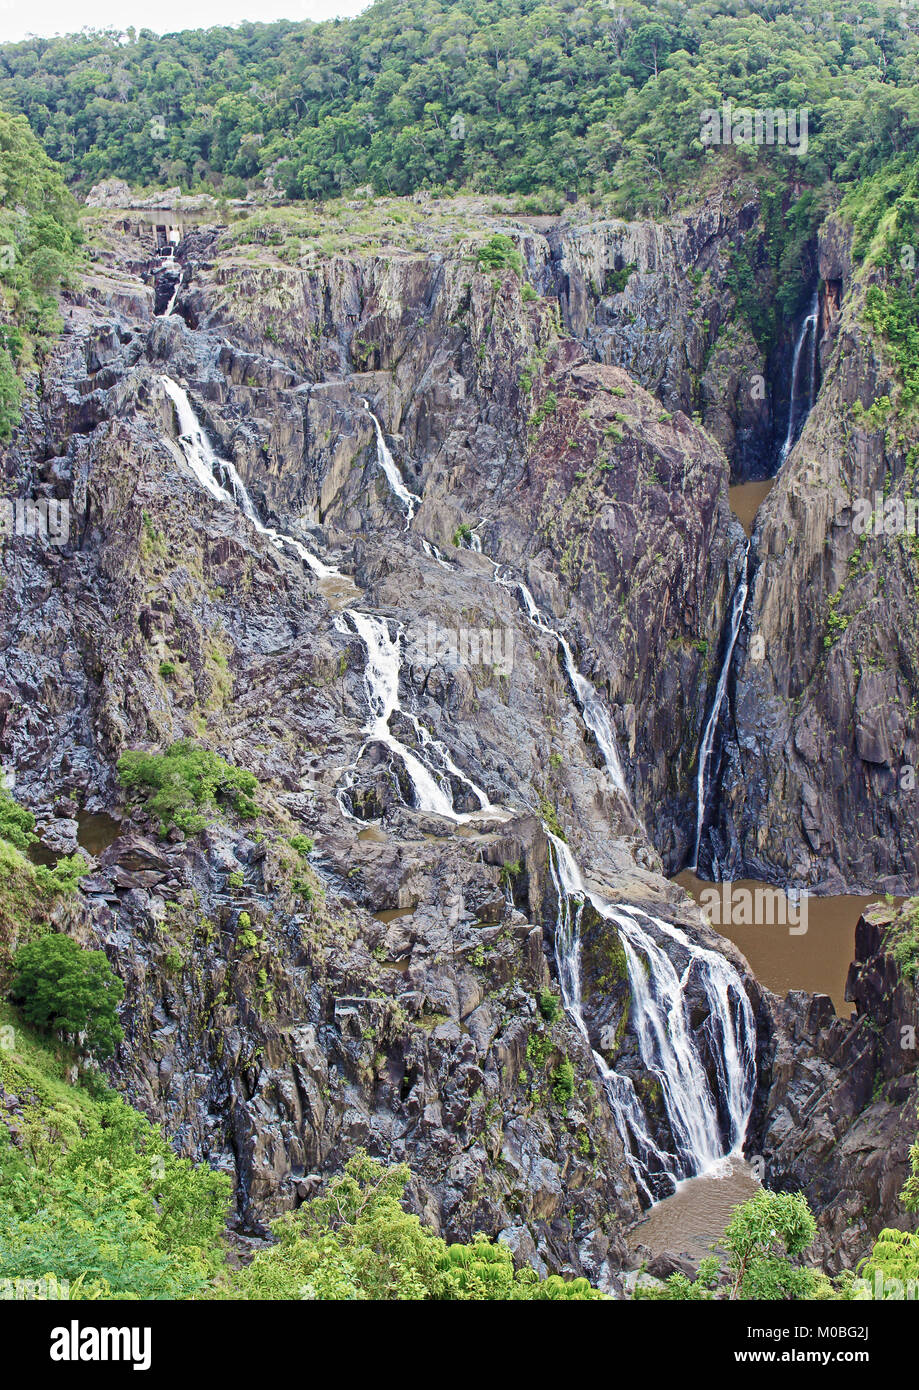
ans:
(515, 96)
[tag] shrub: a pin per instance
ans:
(563, 1082)
(510, 869)
(109, 1208)
(499, 253)
(357, 1242)
(302, 844)
(550, 1006)
(616, 280)
(17, 825)
(64, 877)
(63, 987)
(762, 1234)
(184, 780)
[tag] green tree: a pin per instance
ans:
(764, 1235)
(61, 986)
(38, 241)
(185, 780)
(17, 825)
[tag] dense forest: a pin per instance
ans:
(517, 96)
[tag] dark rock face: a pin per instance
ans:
(819, 783)
(654, 299)
(840, 1112)
(273, 1034)
(396, 1005)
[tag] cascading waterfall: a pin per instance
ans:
(172, 301)
(808, 328)
(431, 787)
(381, 682)
(220, 478)
(668, 1046)
(645, 1158)
(738, 608)
(430, 549)
(591, 706)
(409, 500)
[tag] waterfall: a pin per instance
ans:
(430, 549)
(738, 607)
(220, 478)
(669, 1049)
(409, 500)
(592, 709)
(808, 326)
(668, 1046)
(631, 1121)
(381, 683)
(172, 302)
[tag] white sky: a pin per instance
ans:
(19, 18)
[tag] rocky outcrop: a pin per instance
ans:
(840, 1112)
(392, 992)
(389, 994)
(654, 299)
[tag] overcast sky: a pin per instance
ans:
(21, 17)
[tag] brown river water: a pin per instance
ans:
(746, 499)
(816, 959)
(693, 1220)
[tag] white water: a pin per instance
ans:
(667, 1044)
(222, 481)
(172, 302)
(738, 607)
(381, 682)
(430, 549)
(809, 326)
(591, 706)
(626, 1107)
(409, 500)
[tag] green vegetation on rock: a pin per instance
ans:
(38, 253)
(357, 1242)
(91, 1193)
(184, 780)
(64, 988)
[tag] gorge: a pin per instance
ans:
(460, 588)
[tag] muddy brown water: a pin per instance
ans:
(746, 499)
(95, 832)
(373, 834)
(392, 914)
(816, 959)
(694, 1218)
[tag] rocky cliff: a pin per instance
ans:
(840, 1112)
(400, 986)
(819, 784)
